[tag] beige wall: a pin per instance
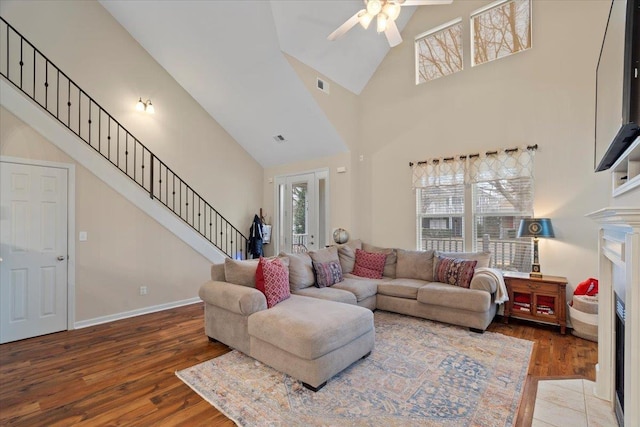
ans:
(125, 249)
(90, 46)
(542, 96)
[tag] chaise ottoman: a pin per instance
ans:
(311, 339)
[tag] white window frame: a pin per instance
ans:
(486, 8)
(431, 32)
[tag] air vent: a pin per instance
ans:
(322, 85)
(279, 138)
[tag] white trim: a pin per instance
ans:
(71, 227)
(439, 28)
(487, 7)
(133, 313)
(61, 137)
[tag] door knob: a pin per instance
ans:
(61, 258)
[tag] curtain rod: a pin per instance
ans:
(471, 156)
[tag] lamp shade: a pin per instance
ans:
(535, 227)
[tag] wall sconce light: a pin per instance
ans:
(145, 106)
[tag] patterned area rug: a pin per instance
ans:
(421, 373)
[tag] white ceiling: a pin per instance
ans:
(228, 55)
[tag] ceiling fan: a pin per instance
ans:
(385, 12)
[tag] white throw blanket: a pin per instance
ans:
(502, 295)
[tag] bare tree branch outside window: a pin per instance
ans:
(501, 30)
(439, 52)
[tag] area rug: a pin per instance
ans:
(421, 373)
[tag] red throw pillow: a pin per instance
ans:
(588, 287)
(272, 279)
(369, 264)
(453, 271)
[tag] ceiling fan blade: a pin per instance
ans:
(424, 2)
(349, 24)
(393, 35)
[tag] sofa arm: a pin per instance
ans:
(485, 280)
(235, 298)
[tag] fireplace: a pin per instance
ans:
(617, 372)
(619, 359)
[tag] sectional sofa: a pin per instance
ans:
(319, 331)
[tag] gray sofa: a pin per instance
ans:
(318, 332)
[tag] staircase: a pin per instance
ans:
(34, 75)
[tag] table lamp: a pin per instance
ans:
(536, 228)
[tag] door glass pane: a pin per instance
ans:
(300, 212)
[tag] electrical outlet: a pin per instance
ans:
(143, 290)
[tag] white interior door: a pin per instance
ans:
(33, 250)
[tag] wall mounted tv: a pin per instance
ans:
(618, 84)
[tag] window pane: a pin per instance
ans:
(440, 218)
(439, 52)
(501, 30)
(498, 208)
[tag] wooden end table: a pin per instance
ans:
(536, 299)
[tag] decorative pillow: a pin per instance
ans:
(241, 272)
(369, 264)
(390, 263)
(300, 270)
(272, 279)
(327, 273)
(483, 258)
(454, 271)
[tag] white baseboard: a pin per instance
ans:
(133, 313)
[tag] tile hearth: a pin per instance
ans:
(570, 403)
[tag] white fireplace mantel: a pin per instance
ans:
(619, 249)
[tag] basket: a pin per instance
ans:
(584, 317)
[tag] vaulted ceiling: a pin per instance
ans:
(228, 54)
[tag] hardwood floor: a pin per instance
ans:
(122, 373)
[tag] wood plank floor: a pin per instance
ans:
(122, 373)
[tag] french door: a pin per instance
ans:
(301, 211)
(33, 250)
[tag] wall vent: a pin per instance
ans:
(279, 138)
(322, 85)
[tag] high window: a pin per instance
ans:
(475, 203)
(500, 29)
(439, 52)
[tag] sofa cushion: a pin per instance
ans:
(217, 272)
(272, 279)
(369, 264)
(325, 254)
(241, 272)
(401, 288)
(415, 265)
(483, 258)
(327, 273)
(300, 270)
(390, 263)
(310, 328)
(454, 297)
(331, 294)
(454, 271)
(347, 255)
(361, 288)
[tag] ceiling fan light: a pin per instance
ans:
(374, 7)
(392, 10)
(382, 23)
(365, 19)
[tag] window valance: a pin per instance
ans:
(495, 165)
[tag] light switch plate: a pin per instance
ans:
(82, 236)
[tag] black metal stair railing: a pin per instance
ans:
(38, 78)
